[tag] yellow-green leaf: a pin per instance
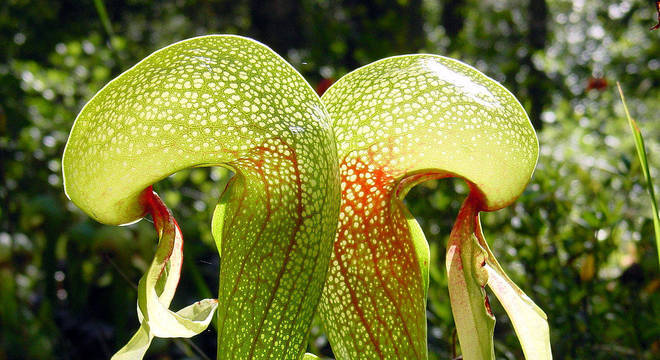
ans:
(398, 122)
(222, 101)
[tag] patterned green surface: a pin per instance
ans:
(398, 122)
(228, 101)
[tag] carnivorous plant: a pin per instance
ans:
(309, 171)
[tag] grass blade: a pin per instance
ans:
(103, 15)
(641, 153)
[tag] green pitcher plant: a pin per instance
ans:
(310, 172)
(398, 122)
(217, 101)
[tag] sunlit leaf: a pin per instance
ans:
(398, 122)
(529, 322)
(220, 101)
(137, 346)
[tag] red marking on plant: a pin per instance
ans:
(372, 218)
(459, 262)
(162, 217)
(487, 303)
(324, 85)
(657, 9)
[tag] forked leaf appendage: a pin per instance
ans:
(157, 287)
(467, 277)
(471, 266)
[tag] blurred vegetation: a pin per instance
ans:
(579, 240)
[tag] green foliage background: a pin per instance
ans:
(579, 240)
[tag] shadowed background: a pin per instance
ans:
(579, 241)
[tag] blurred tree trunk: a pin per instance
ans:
(538, 24)
(453, 19)
(399, 23)
(538, 82)
(415, 37)
(277, 23)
